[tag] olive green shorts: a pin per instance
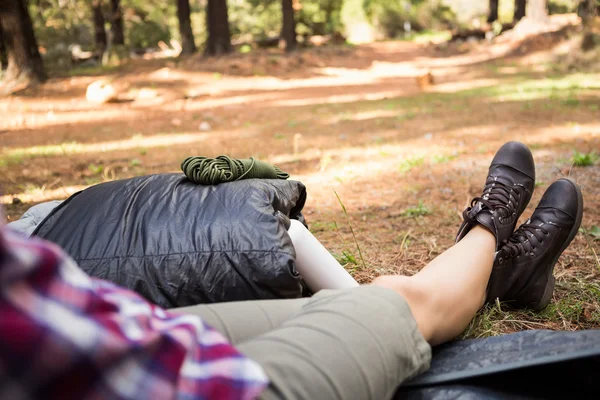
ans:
(359, 343)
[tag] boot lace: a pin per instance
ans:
(522, 241)
(498, 196)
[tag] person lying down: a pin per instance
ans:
(66, 335)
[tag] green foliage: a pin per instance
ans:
(96, 169)
(389, 16)
(595, 232)
(562, 6)
(409, 163)
(319, 17)
(346, 258)
(584, 159)
(146, 34)
(352, 231)
(254, 20)
(442, 158)
(418, 211)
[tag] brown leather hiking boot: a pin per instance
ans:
(508, 189)
(522, 273)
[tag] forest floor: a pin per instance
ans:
(404, 159)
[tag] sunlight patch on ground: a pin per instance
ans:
(542, 135)
(40, 194)
(453, 87)
(135, 142)
(361, 116)
(48, 118)
(338, 99)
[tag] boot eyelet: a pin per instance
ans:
(500, 260)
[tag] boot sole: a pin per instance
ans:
(549, 290)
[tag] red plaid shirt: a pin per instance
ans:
(65, 335)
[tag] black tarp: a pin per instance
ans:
(536, 364)
(179, 244)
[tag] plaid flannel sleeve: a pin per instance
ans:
(65, 335)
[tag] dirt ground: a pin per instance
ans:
(405, 159)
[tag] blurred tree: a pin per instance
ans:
(217, 23)
(519, 12)
(185, 27)
(493, 11)
(3, 60)
(537, 10)
(25, 64)
(116, 22)
(288, 29)
(588, 11)
(99, 31)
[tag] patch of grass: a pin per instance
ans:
(409, 163)
(576, 297)
(95, 169)
(10, 159)
(135, 162)
(443, 158)
(90, 70)
(570, 102)
(346, 258)
(351, 230)
(291, 123)
(539, 183)
(417, 211)
(143, 151)
(18, 155)
(527, 105)
(584, 159)
(595, 232)
(406, 116)
(576, 304)
(322, 226)
(279, 136)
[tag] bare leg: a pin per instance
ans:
(445, 295)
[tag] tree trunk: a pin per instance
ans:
(185, 27)
(25, 64)
(3, 59)
(288, 30)
(537, 10)
(99, 31)
(519, 10)
(217, 21)
(116, 23)
(493, 12)
(587, 10)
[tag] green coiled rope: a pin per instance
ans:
(212, 171)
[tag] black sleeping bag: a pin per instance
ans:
(177, 243)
